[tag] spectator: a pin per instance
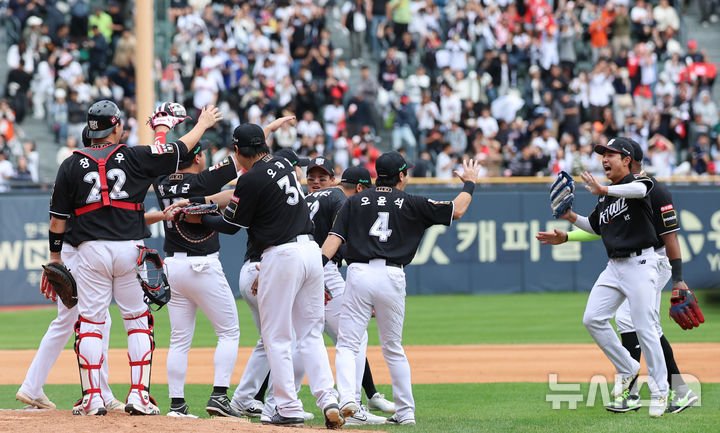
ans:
(77, 115)
(22, 172)
(423, 165)
(59, 115)
(17, 89)
(368, 85)
(32, 159)
(285, 137)
(308, 126)
(378, 10)
(446, 163)
(205, 89)
(125, 50)
(402, 133)
(71, 143)
(104, 23)
(6, 170)
(701, 154)
(707, 108)
(457, 139)
(450, 106)
(487, 124)
(354, 19)
(98, 52)
(400, 15)
(7, 122)
(665, 16)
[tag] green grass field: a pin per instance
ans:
(434, 320)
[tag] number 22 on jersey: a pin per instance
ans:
(117, 193)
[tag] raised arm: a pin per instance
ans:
(468, 176)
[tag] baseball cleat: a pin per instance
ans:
(407, 421)
(219, 405)
(333, 419)
(623, 383)
(115, 404)
(41, 402)
(180, 411)
(349, 409)
(658, 406)
(142, 409)
(379, 402)
(624, 403)
(364, 417)
(285, 421)
(253, 411)
(679, 403)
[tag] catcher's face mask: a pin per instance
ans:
(151, 274)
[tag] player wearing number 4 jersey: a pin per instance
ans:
(382, 228)
(198, 281)
(104, 187)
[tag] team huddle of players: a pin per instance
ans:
(293, 287)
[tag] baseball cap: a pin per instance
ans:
(323, 163)
(620, 145)
(249, 135)
(291, 156)
(202, 146)
(637, 151)
(692, 44)
(102, 117)
(390, 164)
(356, 175)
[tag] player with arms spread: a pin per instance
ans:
(104, 187)
(670, 265)
(268, 201)
(382, 228)
(623, 217)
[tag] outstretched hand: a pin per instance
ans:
(593, 185)
(556, 237)
(470, 172)
(209, 116)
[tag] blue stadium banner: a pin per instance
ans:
(492, 249)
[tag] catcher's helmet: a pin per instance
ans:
(102, 118)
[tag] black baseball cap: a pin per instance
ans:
(249, 135)
(621, 145)
(102, 118)
(389, 164)
(202, 146)
(323, 163)
(356, 175)
(637, 151)
(291, 156)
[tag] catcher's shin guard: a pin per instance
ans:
(89, 373)
(141, 360)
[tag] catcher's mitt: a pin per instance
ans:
(684, 308)
(561, 194)
(192, 232)
(151, 274)
(168, 114)
(57, 280)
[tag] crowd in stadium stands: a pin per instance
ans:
(526, 87)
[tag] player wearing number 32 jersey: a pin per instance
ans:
(382, 228)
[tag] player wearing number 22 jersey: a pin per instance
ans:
(382, 228)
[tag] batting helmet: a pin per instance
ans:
(102, 118)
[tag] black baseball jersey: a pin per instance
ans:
(110, 207)
(626, 225)
(665, 216)
(177, 186)
(269, 202)
(324, 206)
(387, 223)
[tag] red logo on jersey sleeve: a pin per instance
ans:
(666, 208)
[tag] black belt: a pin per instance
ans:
(628, 254)
(172, 253)
(387, 263)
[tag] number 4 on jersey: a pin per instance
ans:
(380, 227)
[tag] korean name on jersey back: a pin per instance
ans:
(273, 208)
(129, 173)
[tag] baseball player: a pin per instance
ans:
(103, 187)
(623, 217)
(666, 226)
(320, 174)
(268, 201)
(198, 281)
(382, 228)
(324, 205)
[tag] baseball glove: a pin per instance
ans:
(57, 281)
(168, 114)
(684, 308)
(193, 232)
(562, 194)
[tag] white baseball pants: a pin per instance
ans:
(199, 282)
(634, 279)
(290, 301)
(106, 269)
(57, 336)
(383, 287)
(623, 320)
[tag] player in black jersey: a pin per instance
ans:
(665, 220)
(324, 206)
(624, 218)
(382, 228)
(320, 174)
(268, 200)
(103, 187)
(198, 281)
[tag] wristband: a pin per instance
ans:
(56, 241)
(325, 260)
(676, 270)
(469, 187)
(199, 200)
(160, 137)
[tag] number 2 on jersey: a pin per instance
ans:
(380, 227)
(117, 193)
